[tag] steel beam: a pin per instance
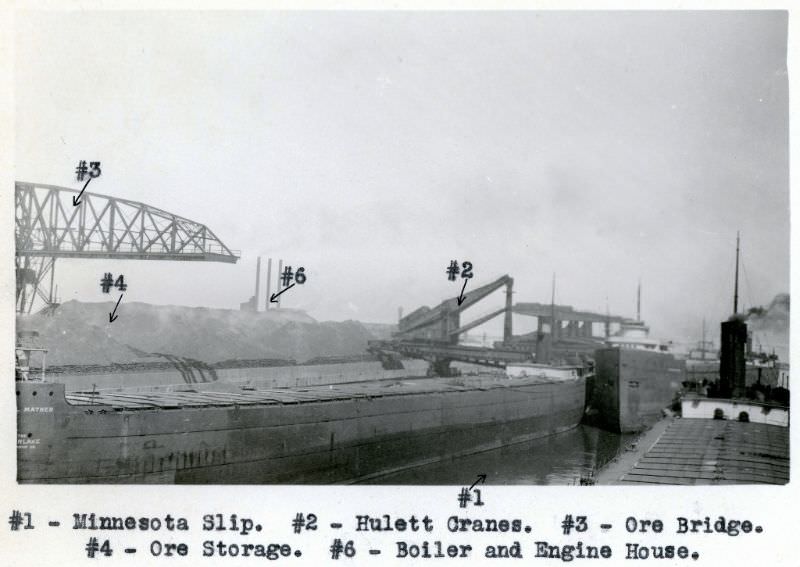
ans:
(49, 226)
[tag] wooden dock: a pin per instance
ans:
(707, 451)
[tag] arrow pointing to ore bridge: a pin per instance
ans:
(111, 316)
(461, 297)
(481, 479)
(77, 200)
(272, 298)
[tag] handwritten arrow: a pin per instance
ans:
(481, 479)
(461, 297)
(111, 316)
(272, 298)
(77, 200)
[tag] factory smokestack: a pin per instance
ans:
(280, 269)
(258, 283)
(269, 284)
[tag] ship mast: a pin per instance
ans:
(553, 308)
(639, 301)
(703, 341)
(736, 281)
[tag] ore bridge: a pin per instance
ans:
(49, 226)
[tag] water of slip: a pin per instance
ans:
(561, 459)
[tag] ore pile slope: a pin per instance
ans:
(79, 333)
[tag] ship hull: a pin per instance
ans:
(632, 387)
(314, 441)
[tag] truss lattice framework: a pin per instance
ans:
(49, 225)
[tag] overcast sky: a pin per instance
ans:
(373, 148)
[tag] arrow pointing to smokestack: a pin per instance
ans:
(272, 298)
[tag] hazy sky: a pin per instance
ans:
(373, 148)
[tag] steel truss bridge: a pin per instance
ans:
(49, 226)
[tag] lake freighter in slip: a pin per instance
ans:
(323, 434)
(254, 432)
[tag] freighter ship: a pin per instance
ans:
(224, 433)
(636, 377)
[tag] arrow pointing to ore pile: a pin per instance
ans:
(272, 298)
(111, 316)
(461, 297)
(77, 200)
(481, 479)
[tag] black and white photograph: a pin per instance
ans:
(401, 247)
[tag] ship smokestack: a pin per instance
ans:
(732, 358)
(733, 342)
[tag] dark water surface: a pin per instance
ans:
(557, 459)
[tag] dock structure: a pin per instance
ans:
(433, 334)
(566, 321)
(709, 451)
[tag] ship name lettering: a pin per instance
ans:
(95, 522)
(366, 523)
(456, 524)
(569, 552)
(37, 409)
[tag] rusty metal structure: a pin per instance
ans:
(443, 322)
(433, 333)
(566, 321)
(48, 226)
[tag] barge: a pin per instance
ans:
(230, 434)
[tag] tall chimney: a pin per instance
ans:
(269, 284)
(279, 287)
(258, 284)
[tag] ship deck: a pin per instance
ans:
(231, 394)
(707, 451)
